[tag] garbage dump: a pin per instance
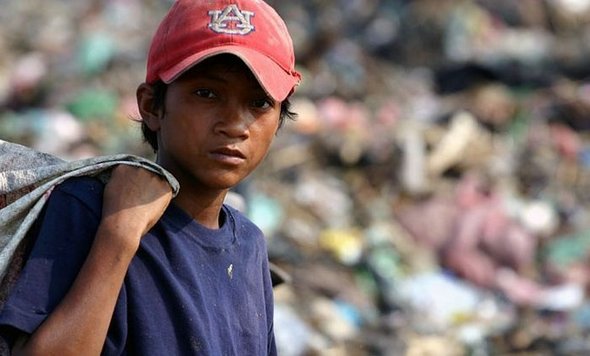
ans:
(432, 196)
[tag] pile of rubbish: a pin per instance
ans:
(432, 197)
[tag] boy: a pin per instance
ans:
(122, 268)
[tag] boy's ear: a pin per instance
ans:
(145, 102)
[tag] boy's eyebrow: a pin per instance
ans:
(203, 74)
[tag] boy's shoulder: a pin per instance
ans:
(86, 189)
(243, 221)
(81, 186)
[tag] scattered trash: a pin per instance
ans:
(431, 199)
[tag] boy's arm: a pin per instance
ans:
(134, 200)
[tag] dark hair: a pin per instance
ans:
(160, 88)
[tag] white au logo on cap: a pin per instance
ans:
(231, 20)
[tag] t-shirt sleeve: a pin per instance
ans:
(66, 230)
(268, 293)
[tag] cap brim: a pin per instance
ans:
(277, 82)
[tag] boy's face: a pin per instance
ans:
(218, 124)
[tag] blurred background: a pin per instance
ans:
(432, 198)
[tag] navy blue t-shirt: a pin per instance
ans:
(189, 290)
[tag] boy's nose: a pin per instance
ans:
(234, 122)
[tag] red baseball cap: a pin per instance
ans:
(250, 29)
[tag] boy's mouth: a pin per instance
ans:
(228, 155)
(228, 151)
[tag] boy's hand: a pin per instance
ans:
(134, 200)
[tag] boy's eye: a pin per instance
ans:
(205, 93)
(263, 103)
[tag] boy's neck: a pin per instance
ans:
(205, 211)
